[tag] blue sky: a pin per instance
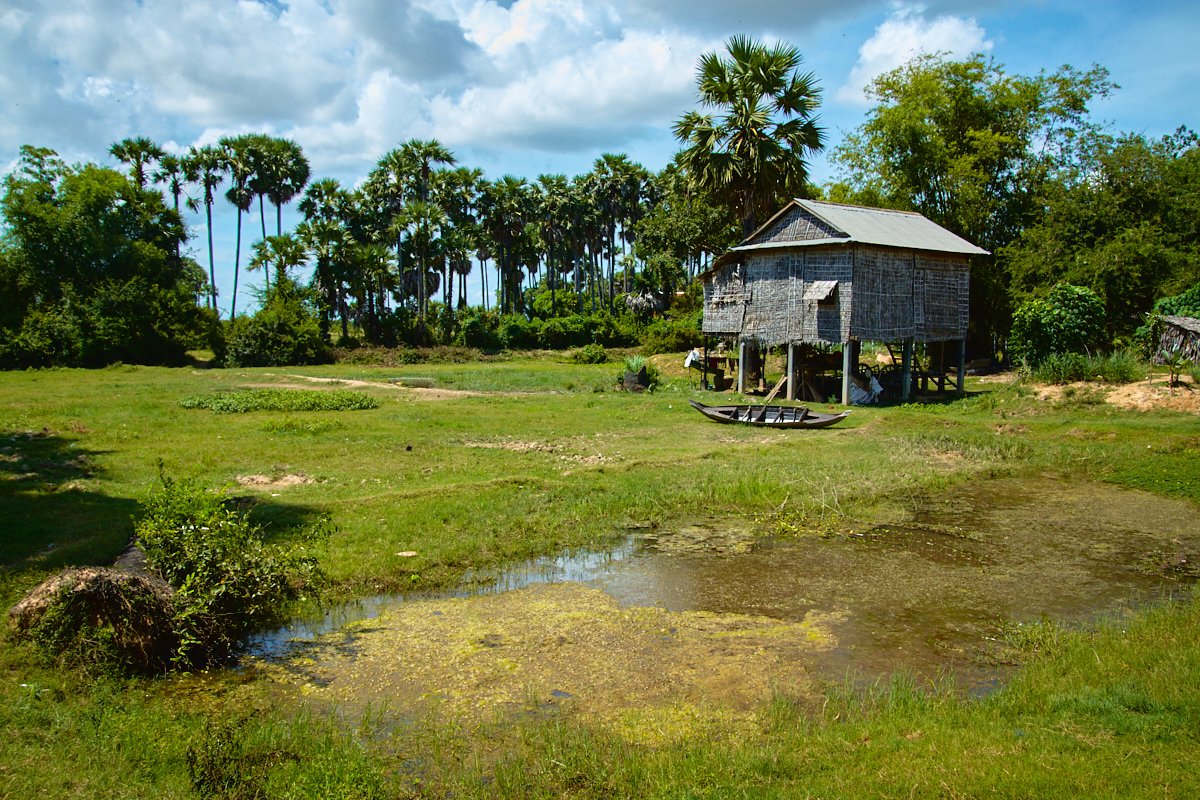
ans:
(523, 86)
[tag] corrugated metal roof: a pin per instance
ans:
(877, 226)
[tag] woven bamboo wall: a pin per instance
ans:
(797, 225)
(768, 278)
(724, 302)
(823, 321)
(880, 295)
(941, 298)
(883, 293)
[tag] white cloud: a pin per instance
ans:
(903, 35)
(591, 98)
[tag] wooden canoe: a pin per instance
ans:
(769, 416)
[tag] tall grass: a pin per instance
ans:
(1119, 367)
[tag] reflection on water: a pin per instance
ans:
(926, 596)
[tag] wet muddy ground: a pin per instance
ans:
(681, 627)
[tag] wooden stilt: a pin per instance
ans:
(741, 379)
(791, 372)
(906, 370)
(847, 370)
(962, 367)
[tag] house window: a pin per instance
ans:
(824, 292)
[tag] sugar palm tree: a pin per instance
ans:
(173, 175)
(279, 253)
(287, 173)
(206, 166)
(238, 158)
(755, 152)
(505, 207)
(138, 153)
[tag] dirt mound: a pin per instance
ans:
(268, 482)
(99, 614)
(1147, 396)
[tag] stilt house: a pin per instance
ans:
(825, 273)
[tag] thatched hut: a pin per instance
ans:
(829, 274)
(1179, 335)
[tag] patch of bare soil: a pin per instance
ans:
(269, 482)
(1152, 396)
(562, 451)
(417, 392)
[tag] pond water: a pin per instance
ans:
(707, 618)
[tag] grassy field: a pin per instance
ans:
(506, 460)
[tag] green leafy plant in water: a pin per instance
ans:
(227, 580)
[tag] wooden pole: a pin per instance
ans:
(906, 361)
(741, 380)
(847, 368)
(962, 367)
(791, 371)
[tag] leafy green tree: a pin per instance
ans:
(973, 149)
(278, 254)
(1129, 232)
(756, 152)
(285, 331)
(506, 205)
(287, 171)
(88, 268)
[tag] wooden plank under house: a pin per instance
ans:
(829, 274)
(1179, 335)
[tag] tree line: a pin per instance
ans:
(1014, 163)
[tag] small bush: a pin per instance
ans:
(590, 354)
(284, 332)
(559, 333)
(239, 402)
(1068, 320)
(672, 336)
(518, 333)
(227, 580)
(480, 332)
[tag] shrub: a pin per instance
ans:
(227, 580)
(518, 333)
(479, 331)
(612, 331)
(284, 332)
(590, 354)
(559, 333)
(672, 336)
(1068, 320)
